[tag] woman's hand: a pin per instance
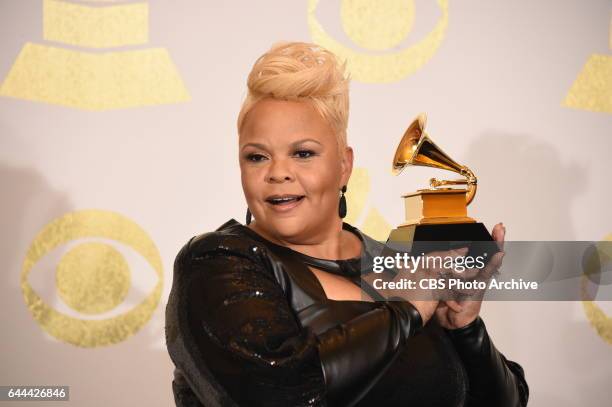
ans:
(457, 314)
(425, 300)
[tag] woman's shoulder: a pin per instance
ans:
(371, 245)
(229, 239)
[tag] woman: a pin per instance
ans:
(272, 313)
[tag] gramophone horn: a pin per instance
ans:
(408, 145)
(417, 148)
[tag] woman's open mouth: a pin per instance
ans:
(283, 203)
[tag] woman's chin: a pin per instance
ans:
(287, 226)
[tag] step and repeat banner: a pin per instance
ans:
(118, 143)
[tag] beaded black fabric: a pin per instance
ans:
(248, 324)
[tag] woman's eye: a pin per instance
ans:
(255, 157)
(304, 153)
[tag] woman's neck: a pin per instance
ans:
(333, 242)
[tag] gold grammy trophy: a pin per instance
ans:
(437, 214)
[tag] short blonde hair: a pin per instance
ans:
(299, 71)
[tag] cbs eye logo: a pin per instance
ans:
(92, 277)
(378, 26)
(590, 282)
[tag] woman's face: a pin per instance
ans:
(292, 170)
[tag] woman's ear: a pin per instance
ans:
(346, 163)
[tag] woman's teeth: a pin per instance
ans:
(282, 201)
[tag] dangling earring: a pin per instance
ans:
(342, 206)
(248, 216)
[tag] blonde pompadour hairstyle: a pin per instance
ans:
(303, 72)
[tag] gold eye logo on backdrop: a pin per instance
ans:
(379, 25)
(91, 278)
(596, 316)
(592, 89)
(90, 80)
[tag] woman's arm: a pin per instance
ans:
(354, 355)
(231, 315)
(493, 379)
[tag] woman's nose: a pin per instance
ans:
(279, 172)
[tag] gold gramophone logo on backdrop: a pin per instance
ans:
(377, 26)
(592, 89)
(92, 278)
(90, 80)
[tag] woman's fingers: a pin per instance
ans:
(499, 233)
(488, 271)
(454, 305)
(494, 265)
(469, 276)
(437, 267)
(473, 278)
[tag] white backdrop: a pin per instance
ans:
(119, 125)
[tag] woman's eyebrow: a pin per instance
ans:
(256, 145)
(298, 142)
(295, 143)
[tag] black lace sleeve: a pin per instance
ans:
(234, 337)
(493, 379)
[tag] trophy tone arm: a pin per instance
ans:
(471, 181)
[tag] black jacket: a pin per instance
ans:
(247, 323)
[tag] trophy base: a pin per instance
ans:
(425, 238)
(437, 220)
(436, 206)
